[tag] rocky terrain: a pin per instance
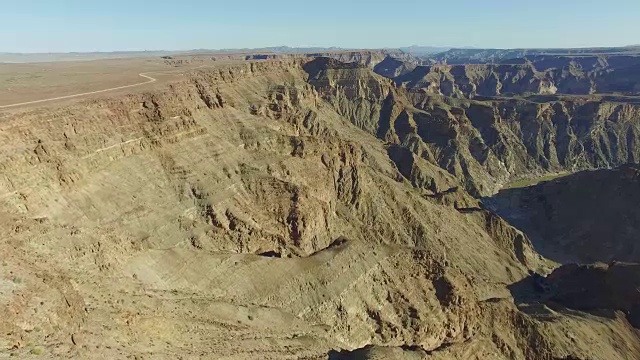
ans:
(598, 225)
(484, 144)
(396, 61)
(532, 75)
(298, 208)
(374, 59)
(496, 56)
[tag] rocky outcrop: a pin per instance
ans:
(496, 56)
(392, 67)
(373, 59)
(538, 75)
(483, 144)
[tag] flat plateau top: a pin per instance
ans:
(38, 84)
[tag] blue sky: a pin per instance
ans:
(107, 25)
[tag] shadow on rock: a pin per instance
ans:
(371, 352)
(585, 217)
(598, 289)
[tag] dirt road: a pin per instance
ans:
(144, 75)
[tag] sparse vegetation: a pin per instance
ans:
(534, 181)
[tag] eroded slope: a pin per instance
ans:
(247, 213)
(487, 144)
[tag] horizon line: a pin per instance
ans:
(311, 47)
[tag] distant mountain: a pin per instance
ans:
(433, 54)
(276, 49)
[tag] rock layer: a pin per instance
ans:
(280, 209)
(540, 75)
(483, 144)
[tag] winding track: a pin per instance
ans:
(144, 75)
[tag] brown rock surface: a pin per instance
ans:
(267, 210)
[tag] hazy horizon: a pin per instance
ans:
(38, 26)
(303, 47)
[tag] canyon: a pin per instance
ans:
(346, 205)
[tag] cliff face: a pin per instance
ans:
(497, 56)
(537, 75)
(392, 67)
(367, 58)
(282, 208)
(484, 144)
(228, 202)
